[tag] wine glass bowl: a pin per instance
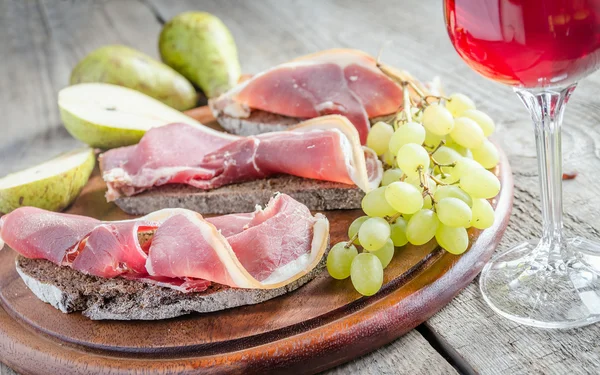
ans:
(527, 43)
(541, 48)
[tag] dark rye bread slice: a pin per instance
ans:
(120, 299)
(257, 123)
(315, 194)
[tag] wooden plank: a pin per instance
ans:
(411, 354)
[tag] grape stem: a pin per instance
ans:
(425, 186)
(437, 181)
(351, 241)
(442, 142)
(440, 165)
(392, 219)
(403, 82)
(406, 102)
(438, 97)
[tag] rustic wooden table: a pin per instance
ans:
(41, 40)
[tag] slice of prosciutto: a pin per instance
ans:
(338, 81)
(265, 249)
(325, 148)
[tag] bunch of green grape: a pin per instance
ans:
(436, 185)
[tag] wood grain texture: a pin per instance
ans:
(270, 32)
(41, 41)
(408, 355)
(323, 324)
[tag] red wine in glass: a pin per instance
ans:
(527, 43)
(541, 48)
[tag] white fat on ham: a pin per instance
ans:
(213, 256)
(363, 166)
(303, 262)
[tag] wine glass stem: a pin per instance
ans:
(546, 108)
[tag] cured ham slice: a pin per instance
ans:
(266, 249)
(110, 250)
(337, 81)
(325, 148)
(44, 235)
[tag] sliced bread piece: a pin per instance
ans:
(315, 194)
(257, 123)
(119, 299)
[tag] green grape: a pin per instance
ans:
(432, 140)
(463, 151)
(483, 214)
(452, 191)
(480, 183)
(446, 155)
(373, 233)
(411, 132)
(421, 227)
(375, 203)
(398, 232)
(410, 157)
(379, 137)
(486, 154)
(355, 226)
(453, 212)
(391, 175)
(483, 120)
(449, 176)
(458, 104)
(465, 165)
(389, 158)
(366, 274)
(386, 253)
(467, 133)
(437, 119)
(407, 217)
(339, 260)
(404, 197)
(427, 202)
(453, 240)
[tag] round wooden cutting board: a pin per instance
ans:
(322, 324)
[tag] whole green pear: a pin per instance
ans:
(199, 46)
(124, 66)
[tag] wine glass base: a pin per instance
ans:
(526, 285)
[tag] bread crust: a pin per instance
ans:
(120, 299)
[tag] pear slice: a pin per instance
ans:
(108, 116)
(53, 185)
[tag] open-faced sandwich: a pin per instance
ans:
(166, 264)
(320, 162)
(347, 82)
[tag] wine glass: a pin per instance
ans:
(541, 48)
